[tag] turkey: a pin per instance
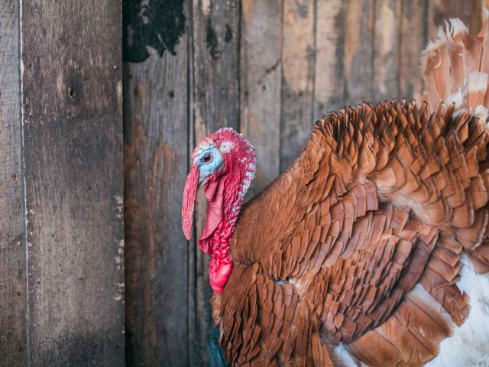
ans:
(372, 248)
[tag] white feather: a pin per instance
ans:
(457, 26)
(343, 357)
(469, 345)
(456, 98)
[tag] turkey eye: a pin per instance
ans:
(207, 158)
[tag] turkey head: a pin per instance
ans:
(224, 163)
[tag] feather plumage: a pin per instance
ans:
(359, 242)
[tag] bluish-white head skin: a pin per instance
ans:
(209, 159)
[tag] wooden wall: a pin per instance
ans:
(61, 182)
(269, 69)
(78, 159)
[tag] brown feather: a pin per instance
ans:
(359, 241)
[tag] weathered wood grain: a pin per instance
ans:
(12, 287)
(155, 167)
(298, 60)
(261, 77)
(414, 37)
(358, 59)
(72, 139)
(216, 65)
(387, 32)
(328, 75)
(215, 104)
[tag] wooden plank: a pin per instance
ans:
(215, 87)
(261, 76)
(473, 9)
(298, 64)
(439, 11)
(155, 167)
(216, 65)
(328, 78)
(414, 38)
(358, 59)
(387, 47)
(12, 287)
(72, 139)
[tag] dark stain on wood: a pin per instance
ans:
(211, 40)
(229, 34)
(158, 24)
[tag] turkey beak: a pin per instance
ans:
(189, 194)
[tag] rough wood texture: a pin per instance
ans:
(386, 49)
(215, 93)
(298, 60)
(359, 51)
(216, 65)
(413, 39)
(12, 288)
(155, 164)
(72, 139)
(261, 77)
(330, 49)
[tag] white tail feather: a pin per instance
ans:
(452, 67)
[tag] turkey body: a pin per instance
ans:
(372, 248)
(365, 248)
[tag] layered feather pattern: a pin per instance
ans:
(359, 242)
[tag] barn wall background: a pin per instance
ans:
(101, 104)
(268, 69)
(61, 184)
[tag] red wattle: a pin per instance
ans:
(189, 194)
(214, 215)
(219, 272)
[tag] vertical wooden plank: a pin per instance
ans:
(261, 76)
(439, 11)
(473, 10)
(155, 167)
(216, 65)
(72, 139)
(358, 60)
(387, 49)
(12, 288)
(298, 60)
(414, 38)
(215, 86)
(330, 41)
